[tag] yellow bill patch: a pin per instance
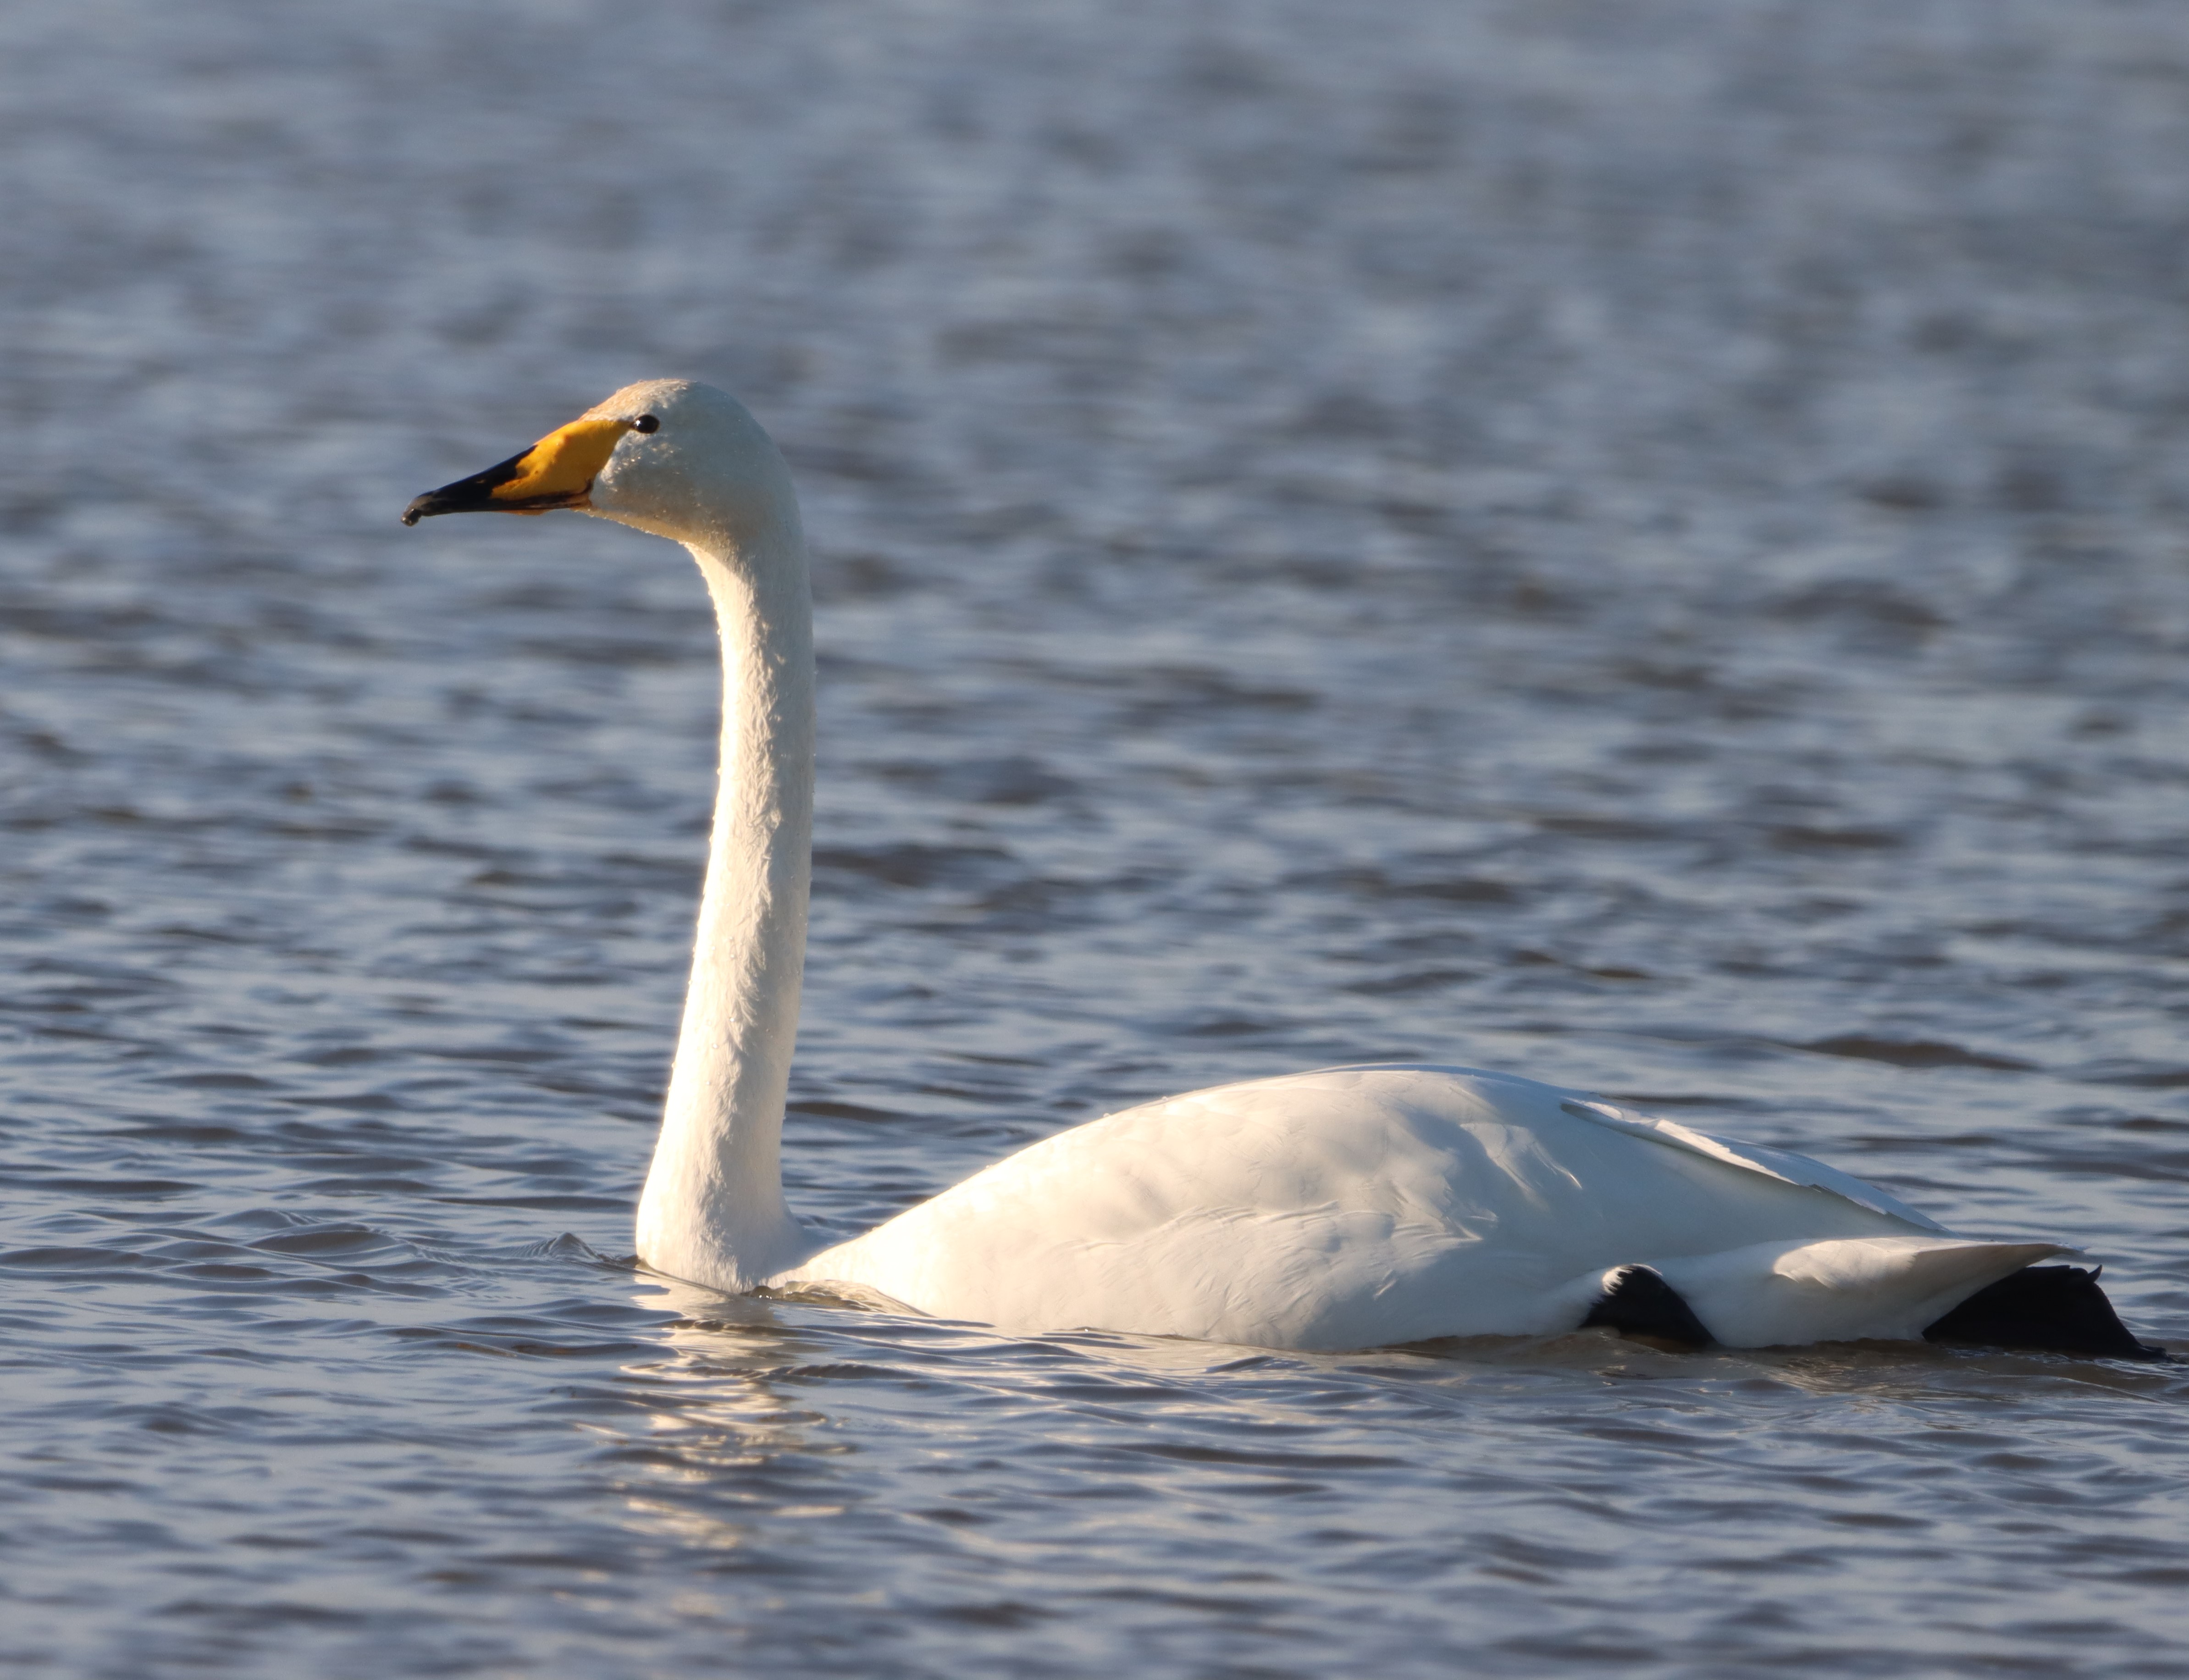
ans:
(564, 462)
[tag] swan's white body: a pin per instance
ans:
(1360, 1206)
(1347, 1208)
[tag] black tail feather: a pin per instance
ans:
(2057, 1309)
(1639, 1302)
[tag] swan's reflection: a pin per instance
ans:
(763, 1410)
(721, 1444)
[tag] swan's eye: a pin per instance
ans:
(646, 422)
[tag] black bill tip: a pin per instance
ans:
(476, 495)
(465, 495)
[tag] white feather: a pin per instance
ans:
(1345, 1208)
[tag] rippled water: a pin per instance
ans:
(1648, 547)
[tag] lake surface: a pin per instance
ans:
(1643, 546)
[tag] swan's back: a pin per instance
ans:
(1345, 1208)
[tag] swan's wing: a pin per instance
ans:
(1782, 1164)
(1346, 1207)
(1889, 1287)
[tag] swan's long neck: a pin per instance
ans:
(713, 1211)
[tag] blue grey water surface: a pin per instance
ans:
(1644, 546)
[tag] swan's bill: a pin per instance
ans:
(557, 472)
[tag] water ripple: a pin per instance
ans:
(1643, 554)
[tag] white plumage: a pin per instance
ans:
(1360, 1207)
(1345, 1208)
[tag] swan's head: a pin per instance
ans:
(683, 460)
